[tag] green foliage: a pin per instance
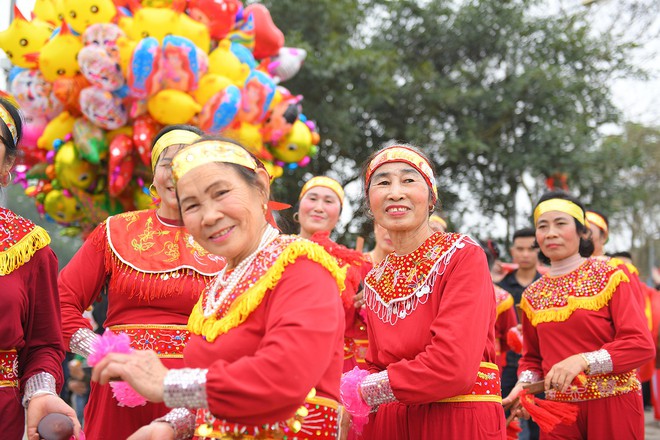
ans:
(491, 89)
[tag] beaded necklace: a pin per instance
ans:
(215, 299)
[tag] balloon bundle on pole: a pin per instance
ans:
(97, 86)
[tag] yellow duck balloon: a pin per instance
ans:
(63, 208)
(72, 170)
(58, 57)
(22, 38)
(80, 14)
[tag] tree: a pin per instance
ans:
(490, 89)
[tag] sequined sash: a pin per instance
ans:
(8, 369)
(167, 341)
(487, 387)
(356, 348)
(597, 386)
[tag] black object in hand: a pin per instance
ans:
(55, 426)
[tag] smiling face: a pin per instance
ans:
(319, 211)
(164, 185)
(399, 198)
(557, 236)
(222, 211)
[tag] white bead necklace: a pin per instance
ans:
(214, 299)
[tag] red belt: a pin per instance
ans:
(8, 368)
(167, 341)
(597, 386)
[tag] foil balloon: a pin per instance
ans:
(218, 15)
(195, 31)
(100, 68)
(67, 91)
(72, 170)
(223, 62)
(80, 14)
(34, 94)
(33, 128)
(172, 107)
(209, 85)
(280, 121)
(256, 97)
(287, 63)
(103, 108)
(46, 10)
(90, 140)
(120, 164)
(220, 110)
(145, 129)
(62, 207)
(58, 57)
(150, 22)
(106, 36)
(296, 145)
(177, 68)
(268, 38)
(57, 129)
(143, 67)
(22, 38)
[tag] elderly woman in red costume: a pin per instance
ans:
(154, 273)
(432, 375)
(264, 357)
(319, 206)
(579, 318)
(31, 348)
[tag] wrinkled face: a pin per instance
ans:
(319, 211)
(523, 252)
(399, 197)
(163, 182)
(222, 212)
(383, 240)
(557, 235)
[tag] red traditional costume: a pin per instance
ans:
(505, 319)
(431, 344)
(30, 342)
(272, 346)
(589, 311)
(154, 272)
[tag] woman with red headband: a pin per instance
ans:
(153, 273)
(31, 348)
(430, 315)
(319, 206)
(579, 318)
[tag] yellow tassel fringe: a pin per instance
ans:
(21, 252)
(595, 302)
(504, 305)
(249, 300)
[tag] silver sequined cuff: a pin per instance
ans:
(40, 383)
(182, 422)
(529, 376)
(376, 389)
(600, 362)
(81, 342)
(185, 388)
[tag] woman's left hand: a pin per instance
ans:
(142, 370)
(43, 404)
(562, 373)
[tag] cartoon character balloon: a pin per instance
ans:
(100, 68)
(80, 14)
(34, 94)
(103, 108)
(22, 38)
(58, 57)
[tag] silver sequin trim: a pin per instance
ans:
(185, 388)
(376, 389)
(600, 362)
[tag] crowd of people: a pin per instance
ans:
(239, 331)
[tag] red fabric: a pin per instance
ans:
(614, 418)
(261, 371)
(30, 323)
(652, 298)
(80, 283)
(505, 320)
(618, 328)
(435, 352)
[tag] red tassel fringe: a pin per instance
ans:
(548, 414)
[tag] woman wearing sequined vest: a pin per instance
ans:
(430, 318)
(31, 348)
(265, 351)
(154, 273)
(583, 332)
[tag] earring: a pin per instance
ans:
(152, 191)
(6, 180)
(296, 218)
(265, 207)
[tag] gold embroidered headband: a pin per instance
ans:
(10, 123)
(174, 137)
(597, 220)
(325, 182)
(560, 205)
(204, 152)
(403, 154)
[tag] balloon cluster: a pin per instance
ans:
(97, 79)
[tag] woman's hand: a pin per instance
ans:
(43, 404)
(516, 408)
(154, 431)
(562, 373)
(358, 300)
(142, 370)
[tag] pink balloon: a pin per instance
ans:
(103, 108)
